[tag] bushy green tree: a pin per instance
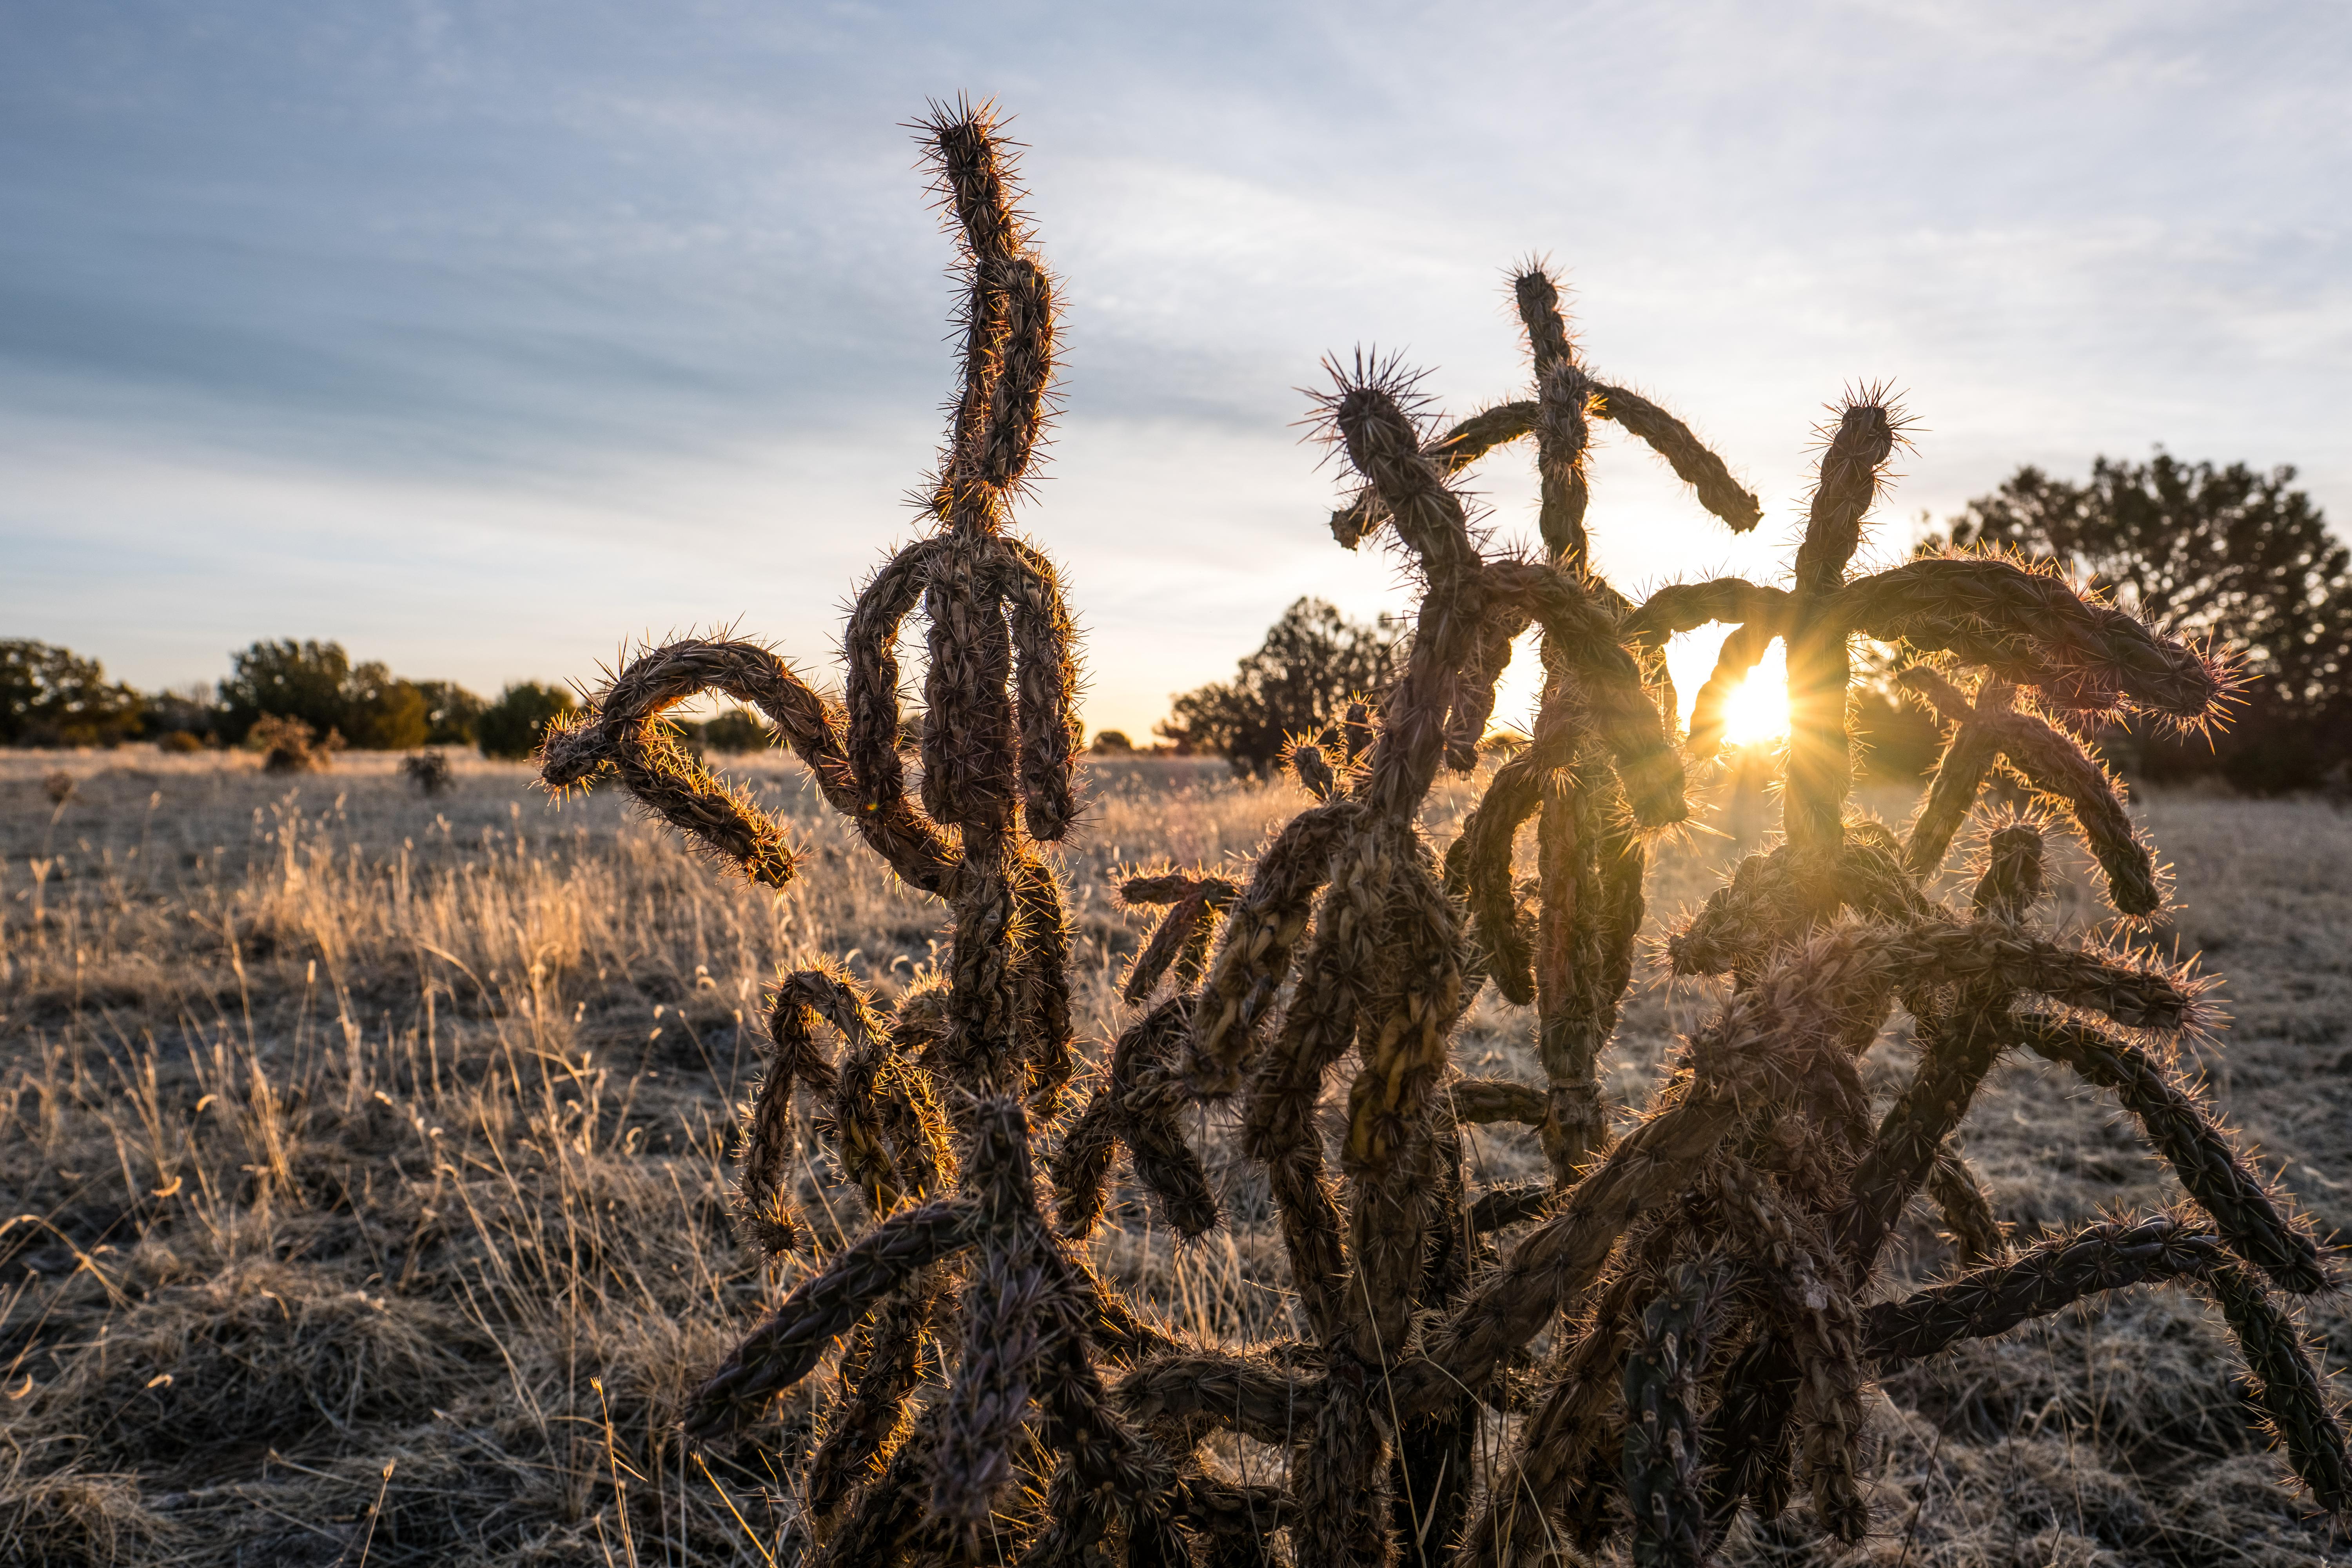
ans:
(451, 712)
(290, 680)
(383, 712)
(316, 682)
(735, 731)
(2234, 555)
(513, 725)
(1298, 682)
(53, 696)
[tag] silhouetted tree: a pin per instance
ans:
(1298, 682)
(735, 732)
(2235, 555)
(290, 679)
(316, 682)
(451, 712)
(53, 696)
(181, 720)
(383, 712)
(513, 725)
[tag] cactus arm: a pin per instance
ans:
(2199, 1153)
(1692, 460)
(1557, 1440)
(1170, 938)
(1960, 1196)
(1474, 694)
(1261, 934)
(1665, 1368)
(1278, 1120)
(1578, 631)
(969, 743)
(2287, 1389)
(1459, 447)
(872, 1419)
(2093, 645)
(764, 1213)
(1563, 433)
(1380, 441)
(1137, 1105)
(2036, 1283)
(1045, 638)
(1048, 1040)
(621, 730)
(1479, 862)
(1819, 770)
(1686, 607)
(1482, 1102)
(870, 689)
(787, 1347)
(1958, 1051)
(1741, 652)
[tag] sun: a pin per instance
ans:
(1757, 713)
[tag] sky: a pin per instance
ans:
(489, 338)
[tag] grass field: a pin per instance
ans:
(367, 1156)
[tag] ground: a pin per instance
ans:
(368, 1156)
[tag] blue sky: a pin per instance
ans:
(483, 337)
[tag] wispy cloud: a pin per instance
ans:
(481, 335)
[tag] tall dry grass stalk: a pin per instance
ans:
(1706, 1279)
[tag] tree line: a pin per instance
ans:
(53, 696)
(2235, 557)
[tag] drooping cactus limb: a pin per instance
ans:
(787, 1347)
(1968, 1212)
(2054, 762)
(873, 1417)
(622, 729)
(2241, 1206)
(1137, 1105)
(1664, 1366)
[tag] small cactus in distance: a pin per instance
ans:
(1709, 1273)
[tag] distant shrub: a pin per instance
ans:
(513, 725)
(429, 771)
(1112, 744)
(191, 711)
(53, 696)
(287, 745)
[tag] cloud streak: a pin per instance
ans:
(479, 334)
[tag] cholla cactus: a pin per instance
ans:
(1706, 1273)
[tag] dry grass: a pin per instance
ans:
(368, 1156)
